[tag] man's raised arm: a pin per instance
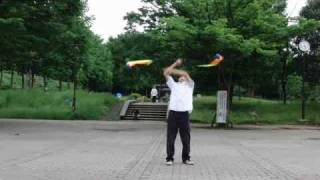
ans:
(171, 69)
(181, 73)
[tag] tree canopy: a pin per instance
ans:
(53, 39)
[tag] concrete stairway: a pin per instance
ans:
(146, 111)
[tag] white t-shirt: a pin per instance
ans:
(181, 95)
(154, 92)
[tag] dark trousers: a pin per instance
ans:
(154, 98)
(178, 121)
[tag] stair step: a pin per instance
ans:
(145, 118)
(131, 107)
(153, 113)
(150, 115)
(154, 107)
(150, 104)
(137, 105)
(147, 111)
(146, 108)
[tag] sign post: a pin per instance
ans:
(221, 114)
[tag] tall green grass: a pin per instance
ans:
(37, 104)
(252, 110)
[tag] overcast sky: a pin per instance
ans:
(109, 14)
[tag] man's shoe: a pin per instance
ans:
(188, 162)
(169, 163)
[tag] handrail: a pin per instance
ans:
(125, 108)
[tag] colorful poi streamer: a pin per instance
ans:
(136, 63)
(215, 62)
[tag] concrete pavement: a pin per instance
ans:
(34, 149)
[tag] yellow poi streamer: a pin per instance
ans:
(134, 63)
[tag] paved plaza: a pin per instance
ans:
(96, 150)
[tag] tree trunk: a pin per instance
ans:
(230, 86)
(88, 84)
(22, 80)
(60, 85)
(303, 92)
(284, 91)
(251, 92)
(230, 93)
(219, 78)
(45, 83)
(284, 78)
(29, 81)
(208, 12)
(74, 101)
(1, 75)
(33, 80)
(239, 91)
(11, 80)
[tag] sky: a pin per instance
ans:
(109, 14)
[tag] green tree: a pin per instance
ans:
(135, 46)
(14, 39)
(312, 12)
(97, 71)
(243, 31)
(47, 38)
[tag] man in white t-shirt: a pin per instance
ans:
(180, 105)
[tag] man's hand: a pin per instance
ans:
(179, 62)
(168, 71)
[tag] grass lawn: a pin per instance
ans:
(251, 110)
(53, 104)
(37, 104)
